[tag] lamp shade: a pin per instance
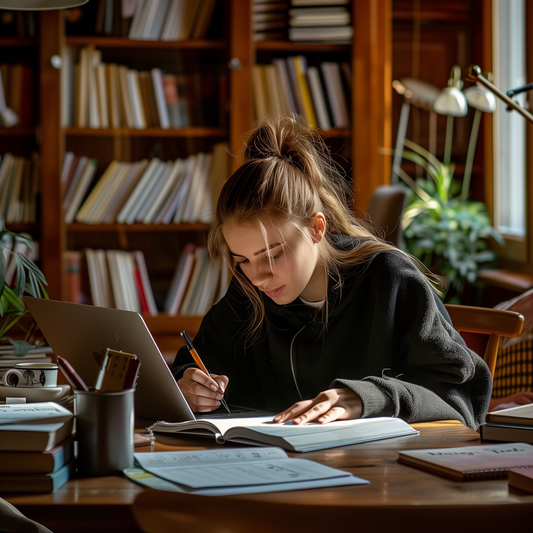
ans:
(39, 5)
(481, 99)
(422, 94)
(451, 101)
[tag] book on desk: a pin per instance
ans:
(262, 431)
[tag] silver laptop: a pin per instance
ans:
(75, 331)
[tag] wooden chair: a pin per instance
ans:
(483, 327)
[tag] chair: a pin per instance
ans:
(483, 327)
(385, 211)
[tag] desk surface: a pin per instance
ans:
(395, 490)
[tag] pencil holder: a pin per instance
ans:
(104, 431)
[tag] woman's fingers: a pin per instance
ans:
(333, 404)
(203, 393)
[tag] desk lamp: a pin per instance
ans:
(39, 5)
(475, 74)
(451, 102)
(483, 101)
(420, 94)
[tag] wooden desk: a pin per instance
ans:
(398, 497)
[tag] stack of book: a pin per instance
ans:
(197, 284)
(320, 20)
(106, 95)
(16, 94)
(149, 192)
(269, 20)
(19, 183)
(321, 94)
(36, 447)
(509, 425)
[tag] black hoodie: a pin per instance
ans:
(388, 337)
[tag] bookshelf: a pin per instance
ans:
(232, 52)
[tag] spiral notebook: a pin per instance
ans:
(470, 463)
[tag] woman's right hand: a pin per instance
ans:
(203, 393)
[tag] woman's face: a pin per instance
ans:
(280, 261)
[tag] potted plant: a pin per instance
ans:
(28, 279)
(446, 230)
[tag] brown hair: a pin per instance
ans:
(288, 176)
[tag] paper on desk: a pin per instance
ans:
(235, 471)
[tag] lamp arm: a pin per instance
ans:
(475, 75)
(519, 90)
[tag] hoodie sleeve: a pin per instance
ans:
(434, 375)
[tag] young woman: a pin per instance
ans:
(322, 319)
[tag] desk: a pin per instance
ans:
(398, 497)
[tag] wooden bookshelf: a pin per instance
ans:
(359, 146)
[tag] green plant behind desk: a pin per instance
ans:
(443, 228)
(28, 279)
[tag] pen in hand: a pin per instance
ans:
(198, 361)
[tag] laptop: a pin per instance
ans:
(76, 331)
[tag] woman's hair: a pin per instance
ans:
(288, 176)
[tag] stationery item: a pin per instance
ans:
(71, 375)
(470, 463)
(117, 370)
(234, 471)
(36, 482)
(262, 431)
(199, 362)
(519, 416)
(521, 478)
(37, 462)
(104, 431)
(34, 412)
(506, 433)
(32, 375)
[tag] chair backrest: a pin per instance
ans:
(483, 327)
(385, 210)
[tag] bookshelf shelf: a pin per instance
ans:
(135, 228)
(15, 42)
(17, 132)
(121, 42)
(195, 132)
(289, 46)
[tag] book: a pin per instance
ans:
(506, 433)
(34, 437)
(521, 478)
(470, 463)
(261, 431)
(520, 416)
(80, 191)
(19, 462)
(234, 471)
(180, 280)
(37, 482)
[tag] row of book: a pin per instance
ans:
(21, 24)
(321, 94)
(107, 95)
(36, 455)
(166, 20)
(119, 279)
(302, 20)
(16, 95)
(151, 192)
(19, 188)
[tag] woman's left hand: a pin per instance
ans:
(333, 404)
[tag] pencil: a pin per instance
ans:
(199, 362)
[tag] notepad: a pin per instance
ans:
(234, 471)
(470, 463)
